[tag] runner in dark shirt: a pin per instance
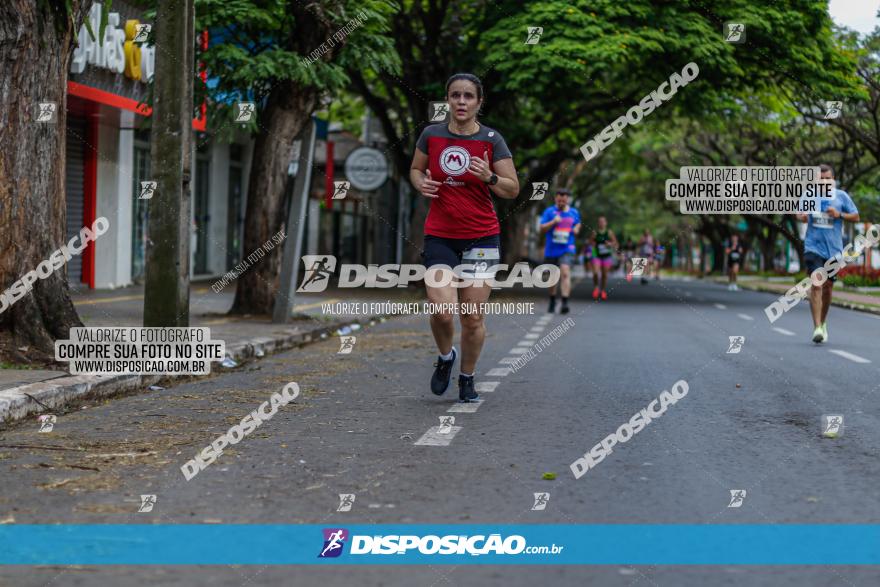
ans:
(735, 254)
(459, 166)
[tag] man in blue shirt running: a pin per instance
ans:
(561, 223)
(823, 241)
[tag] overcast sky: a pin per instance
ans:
(860, 15)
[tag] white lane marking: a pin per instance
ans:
(536, 329)
(525, 343)
(520, 350)
(720, 306)
(850, 356)
(498, 372)
(488, 386)
(434, 438)
(784, 331)
(745, 316)
(508, 360)
(468, 408)
(531, 336)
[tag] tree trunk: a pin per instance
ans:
(513, 221)
(768, 249)
(287, 111)
(166, 290)
(717, 255)
(36, 42)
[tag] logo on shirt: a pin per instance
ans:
(454, 160)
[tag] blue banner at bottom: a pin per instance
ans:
(523, 544)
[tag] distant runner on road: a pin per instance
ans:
(659, 255)
(735, 254)
(561, 223)
(824, 240)
(646, 250)
(604, 246)
(458, 166)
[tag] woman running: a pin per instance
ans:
(459, 166)
(735, 254)
(604, 245)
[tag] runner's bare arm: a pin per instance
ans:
(508, 182)
(420, 176)
(848, 216)
(577, 228)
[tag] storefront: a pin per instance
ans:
(108, 156)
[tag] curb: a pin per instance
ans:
(20, 402)
(840, 303)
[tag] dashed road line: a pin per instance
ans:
(433, 437)
(784, 331)
(520, 350)
(745, 317)
(486, 386)
(850, 356)
(498, 372)
(720, 306)
(508, 360)
(465, 408)
(531, 336)
(536, 329)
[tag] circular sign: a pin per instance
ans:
(454, 160)
(366, 168)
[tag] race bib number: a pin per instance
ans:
(734, 256)
(603, 249)
(478, 263)
(822, 220)
(560, 236)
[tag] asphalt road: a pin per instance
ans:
(750, 421)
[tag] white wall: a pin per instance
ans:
(114, 198)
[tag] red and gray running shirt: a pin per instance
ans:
(464, 208)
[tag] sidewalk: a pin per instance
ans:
(844, 298)
(25, 392)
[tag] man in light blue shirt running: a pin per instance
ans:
(824, 240)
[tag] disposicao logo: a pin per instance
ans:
(334, 541)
